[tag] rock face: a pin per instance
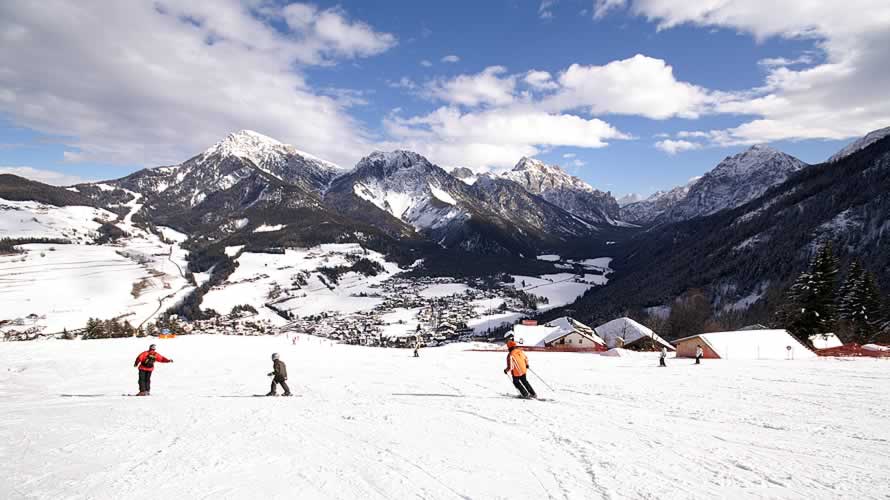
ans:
(565, 191)
(465, 174)
(735, 181)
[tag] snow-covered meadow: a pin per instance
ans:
(377, 423)
(62, 285)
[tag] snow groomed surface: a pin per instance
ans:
(376, 423)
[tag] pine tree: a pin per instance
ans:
(859, 305)
(810, 308)
(848, 294)
(869, 317)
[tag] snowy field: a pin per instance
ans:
(64, 285)
(376, 423)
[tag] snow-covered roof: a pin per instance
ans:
(754, 344)
(540, 335)
(628, 330)
(825, 341)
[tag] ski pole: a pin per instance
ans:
(542, 380)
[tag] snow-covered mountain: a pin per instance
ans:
(283, 161)
(861, 143)
(735, 181)
(497, 215)
(565, 191)
(410, 188)
(647, 210)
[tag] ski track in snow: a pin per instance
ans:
(378, 423)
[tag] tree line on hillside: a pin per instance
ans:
(8, 245)
(817, 302)
(118, 328)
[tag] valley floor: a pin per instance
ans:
(376, 423)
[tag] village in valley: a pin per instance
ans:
(411, 311)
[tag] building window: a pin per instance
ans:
(580, 341)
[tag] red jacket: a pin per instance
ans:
(142, 359)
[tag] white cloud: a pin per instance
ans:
(331, 32)
(451, 59)
(490, 87)
(495, 137)
(844, 95)
(545, 9)
(151, 83)
(569, 155)
(403, 83)
(673, 147)
(774, 62)
(425, 63)
(640, 85)
(578, 163)
(540, 80)
(45, 176)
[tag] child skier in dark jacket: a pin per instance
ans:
(279, 376)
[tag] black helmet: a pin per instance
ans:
(151, 347)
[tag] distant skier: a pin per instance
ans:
(279, 376)
(145, 362)
(517, 365)
(664, 355)
(417, 349)
(698, 354)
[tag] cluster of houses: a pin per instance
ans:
(624, 333)
(434, 319)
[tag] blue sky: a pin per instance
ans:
(631, 96)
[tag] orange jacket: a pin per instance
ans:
(517, 363)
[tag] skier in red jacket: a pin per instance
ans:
(146, 364)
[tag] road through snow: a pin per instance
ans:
(376, 423)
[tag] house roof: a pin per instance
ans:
(753, 344)
(628, 330)
(540, 335)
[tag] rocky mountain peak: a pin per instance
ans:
(861, 143)
(389, 162)
(563, 190)
(264, 151)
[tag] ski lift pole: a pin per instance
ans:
(542, 380)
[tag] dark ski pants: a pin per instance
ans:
(698, 360)
(144, 381)
(275, 382)
(661, 362)
(524, 387)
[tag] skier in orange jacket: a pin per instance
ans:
(517, 366)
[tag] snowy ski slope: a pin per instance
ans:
(378, 424)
